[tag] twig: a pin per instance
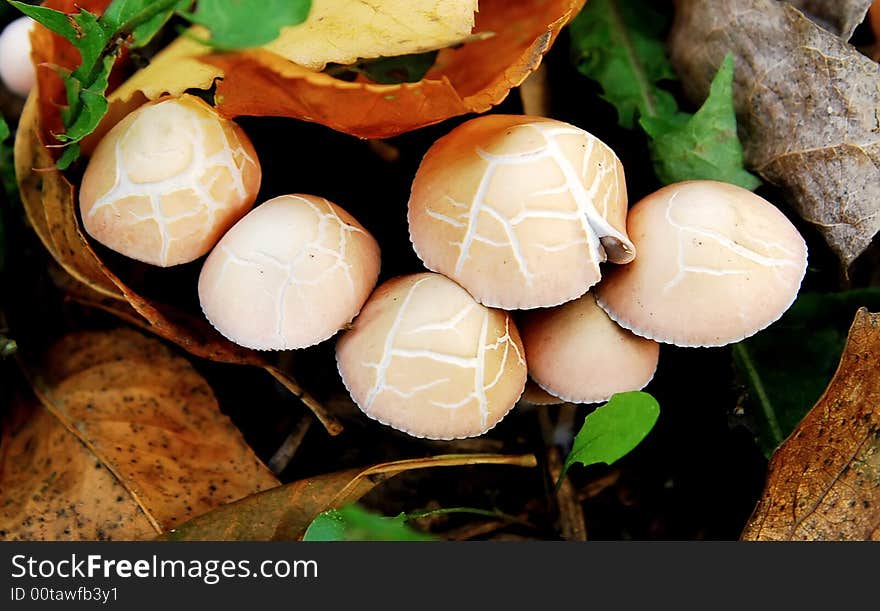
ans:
(284, 454)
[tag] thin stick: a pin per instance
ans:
(284, 454)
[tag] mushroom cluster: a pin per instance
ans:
(508, 212)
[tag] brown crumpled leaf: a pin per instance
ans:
(840, 17)
(471, 78)
(50, 203)
(824, 481)
(285, 512)
(807, 107)
(130, 444)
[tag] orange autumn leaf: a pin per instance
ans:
(471, 78)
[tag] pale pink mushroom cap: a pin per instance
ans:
(716, 264)
(423, 357)
(16, 68)
(519, 210)
(167, 181)
(575, 352)
(290, 274)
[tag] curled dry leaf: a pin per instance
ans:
(840, 17)
(285, 512)
(130, 444)
(50, 203)
(807, 105)
(472, 77)
(824, 482)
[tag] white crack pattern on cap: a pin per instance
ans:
(740, 250)
(232, 160)
(477, 361)
(588, 212)
(328, 222)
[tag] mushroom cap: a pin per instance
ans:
(535, 395)
(575, 352)
(519, 210)
(16, 67)
(290, 274)
(167, 181)
(716, 264)
(424, 358)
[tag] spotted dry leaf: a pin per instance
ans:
(840, 17)
(285, 512)
(130, 443)
(49, 201)
(824, 482)
(807, 106)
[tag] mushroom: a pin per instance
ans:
(575, 352)
(167, 181)
(16, 68)
(716, 264)
(290, 274)
(520, 210)
(424, 358)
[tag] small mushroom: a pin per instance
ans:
(716, 264)
(423, 357)
(520, 210)
(167, 181)
(290, 274)
(575, 352)
(16, 68)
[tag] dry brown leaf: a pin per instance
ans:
(807, 106)
(824, 481)
(50, 203)
(285, 512)
(840, 17)
(131, 444)
(343, 31)
(471, 78)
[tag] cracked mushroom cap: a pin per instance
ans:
(424, 358)
(716, 264)
(167, 181)
(520, 210)
(575, 352)
(289, 275)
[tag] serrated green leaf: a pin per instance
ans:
(613, 430)
(58, 22)
(120, 14)
(788, 365)
(354, 523)
(702, 146)
(8, 179)
(619, 44)
(239, 24)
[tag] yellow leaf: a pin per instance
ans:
(343, 31)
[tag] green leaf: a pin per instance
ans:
(399, 69)
(614, 429)
(619, 44)
(354, 523)
(788, 365)
(703, 146)
(239, 24)
(58, 22)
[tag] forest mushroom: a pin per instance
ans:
(575, 352)
(290, 274)
(16, 68)
(423, 357)
(167, 181)
(520, 210)
(716, 264)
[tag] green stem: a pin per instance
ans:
(490, 513)
(741, 353)
(620, 29)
